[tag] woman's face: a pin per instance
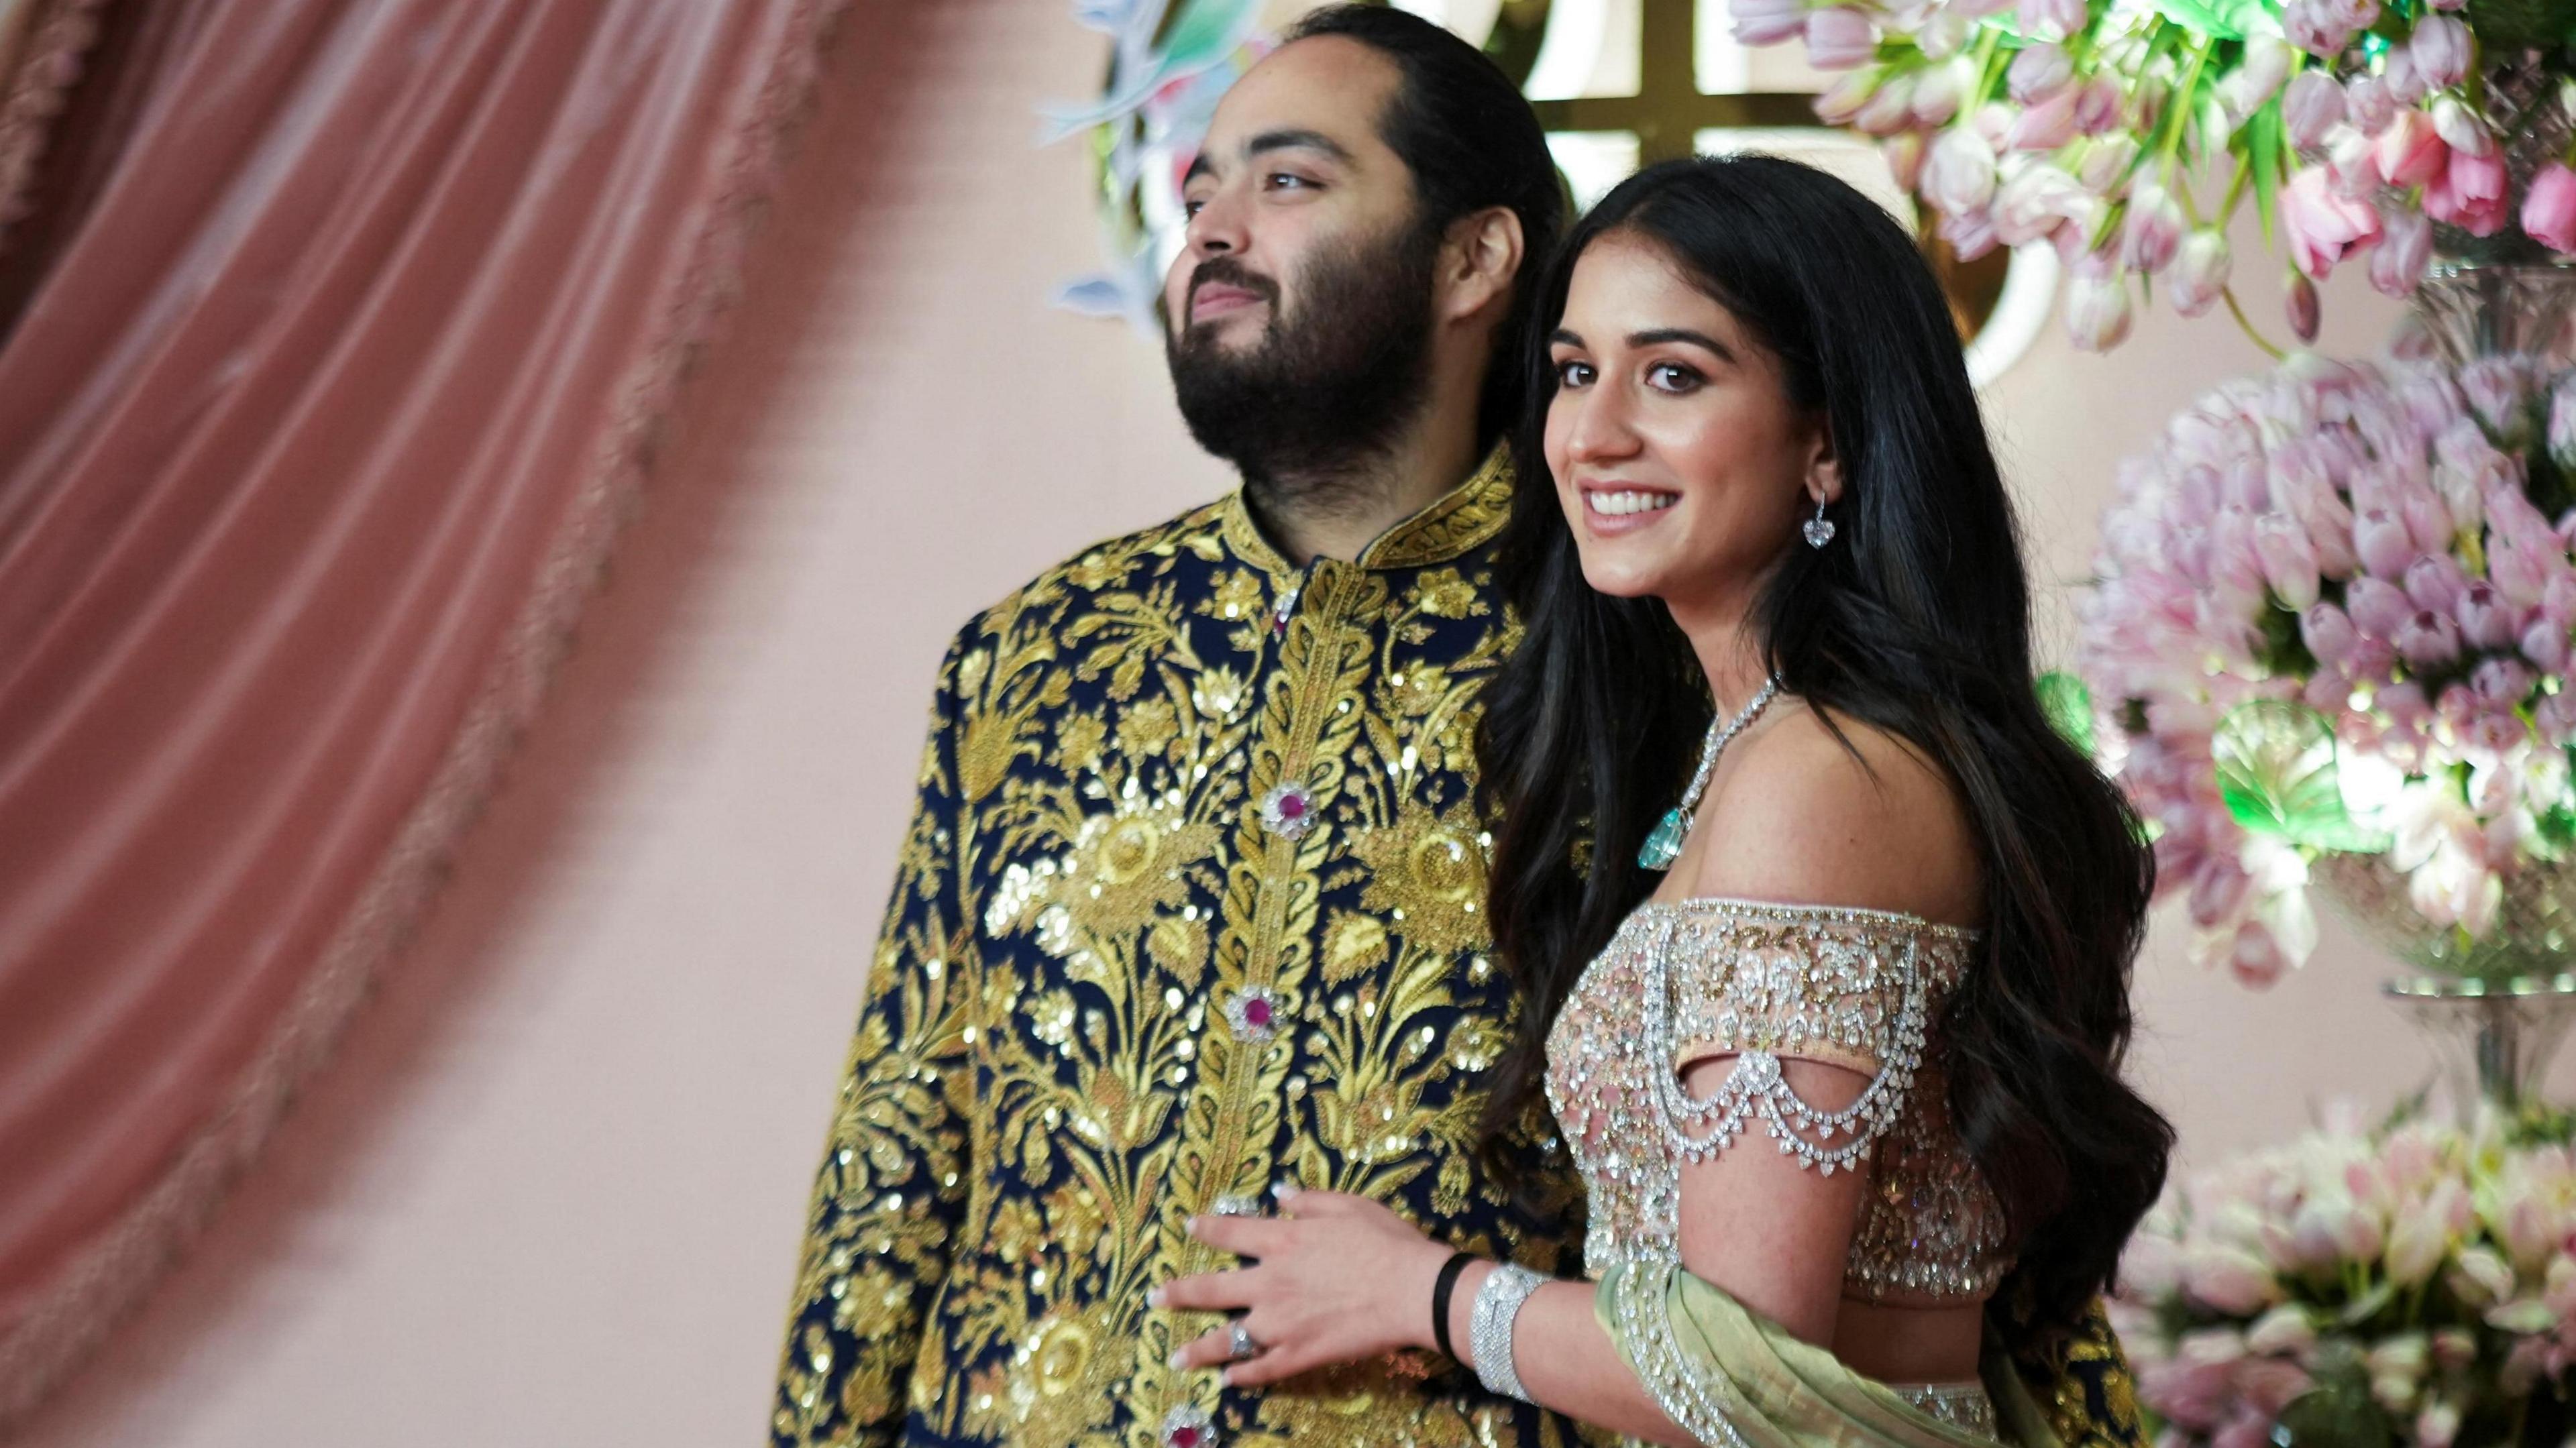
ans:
(1683, 467)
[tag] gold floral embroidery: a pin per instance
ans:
(1428, 872)
(1352, 944)
(1445, 593)
(1046, 1084)
(1238, 595)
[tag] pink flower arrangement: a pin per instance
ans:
(2333, 618)
(2104, 130)
(2413, 1284)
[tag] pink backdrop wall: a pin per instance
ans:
(551, 1192)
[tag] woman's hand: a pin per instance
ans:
(1337, 1278)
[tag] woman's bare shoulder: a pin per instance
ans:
(1831, 811)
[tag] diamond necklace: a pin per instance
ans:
(1665, 845)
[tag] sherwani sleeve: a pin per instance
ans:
(892, 1190)
(2085, 1386)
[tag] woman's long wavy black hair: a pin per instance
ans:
(1915, 619)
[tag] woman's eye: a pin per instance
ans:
(1671, 377)
(1573, 374)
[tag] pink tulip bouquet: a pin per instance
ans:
(2329, 646)
(2414, 1284)
(2126, 134)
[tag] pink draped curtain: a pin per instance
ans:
(313, 432)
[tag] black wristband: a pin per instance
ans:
(1440, 1291)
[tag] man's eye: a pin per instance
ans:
(1282, 180)
(1671, 377)
(1190, 206)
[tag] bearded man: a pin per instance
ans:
(1191, 901)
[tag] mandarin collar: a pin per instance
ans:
(1452, 525)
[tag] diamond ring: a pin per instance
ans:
(1239, 1342)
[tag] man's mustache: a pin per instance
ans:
(1226, 271)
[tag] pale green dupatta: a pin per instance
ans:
(1733, 1378)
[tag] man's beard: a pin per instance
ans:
(1303, 410)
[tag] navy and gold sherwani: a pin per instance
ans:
(1191, 904)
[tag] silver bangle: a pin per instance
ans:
(1489, 1327)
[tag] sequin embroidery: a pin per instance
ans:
(1852, 988)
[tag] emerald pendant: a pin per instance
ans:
(1665, 845)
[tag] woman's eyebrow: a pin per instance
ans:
(1681, 334)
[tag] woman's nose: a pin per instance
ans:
(1600, 429)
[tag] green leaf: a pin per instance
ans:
(2069, 707)
(2225, 19)
(2276, 772)
(2367, 1306)
(2165, 40)
(2263, 149)
(1201, 32)
(2556, 825)
(2336, 1415)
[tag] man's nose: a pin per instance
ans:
(1218, 228)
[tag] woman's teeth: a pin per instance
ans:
(1615, 503)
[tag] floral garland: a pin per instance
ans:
(2106, 129)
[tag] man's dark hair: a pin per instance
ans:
(1471, 141)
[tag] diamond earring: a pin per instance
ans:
(1819, 529)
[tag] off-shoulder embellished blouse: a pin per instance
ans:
(1688, 981)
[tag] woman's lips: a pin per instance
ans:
(1616, 507)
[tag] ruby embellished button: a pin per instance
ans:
(1188, 1426)
(1288, 811)
(1253, 1012)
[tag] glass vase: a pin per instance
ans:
(2486, 295)
(2521, 96)
(2472, 309)
(2533, 932)
(2492, 1040)
(2495, 1006)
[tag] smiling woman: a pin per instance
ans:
(1673, 440)
(1733, 344)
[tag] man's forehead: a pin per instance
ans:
(1326, 91)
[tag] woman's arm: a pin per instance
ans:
(1773, 1236)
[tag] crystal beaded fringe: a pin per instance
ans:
(1755, 1088)
(1963, 1406)
(1645, 1320)
(1664, 845)
(1489, 1327)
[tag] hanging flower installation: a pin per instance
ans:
(2128, 134)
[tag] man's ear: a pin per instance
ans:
(1479, 258)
